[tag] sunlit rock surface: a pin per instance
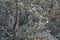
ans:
(29, 20)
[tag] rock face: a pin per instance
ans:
(29, 20)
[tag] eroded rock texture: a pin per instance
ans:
(29, 20)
